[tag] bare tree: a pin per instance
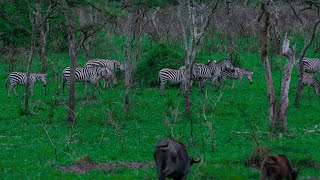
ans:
(192, 28)
(312, 6)
(42, 27)
(135, 23)
(277, 110)
(70, 15)
(32, 46)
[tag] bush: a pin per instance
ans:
(161, 56)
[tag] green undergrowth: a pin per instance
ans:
(33, 146)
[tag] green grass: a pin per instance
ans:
(28, 142)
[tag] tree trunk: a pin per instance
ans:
(128, 62)
(73, 58)
(87, 49)
(26, 100)
(272, 103)
(284, 93)
(301, 70)
(42, 48)
(229, 36)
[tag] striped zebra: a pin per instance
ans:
(109, 77)
(86, 74)
(235, 73)
(211, 70)
(310, 65)
(20, 78)
(110, 64)
(173, 76)
(309, 80)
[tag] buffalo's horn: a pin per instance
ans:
(197, 160)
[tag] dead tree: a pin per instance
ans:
(193, 24)
(134, 25)
(42, 27)
(70, 15)
(26, 94)
(312, 6)
(277, 110)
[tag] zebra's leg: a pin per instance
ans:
(31, 89)
(162, 87)
(10, 89)
(233, 82)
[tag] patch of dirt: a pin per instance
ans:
(86, 164)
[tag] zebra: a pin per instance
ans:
(86, 74)
(310, 65)
(110, 76)
(211, 70)
(235, 73)
(310, 80)
(110, 64)
(20, 78)
(173, 76)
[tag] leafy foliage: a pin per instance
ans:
(162, 55)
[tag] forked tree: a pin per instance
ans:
(193, 18)
(277, 108)
(311, 29)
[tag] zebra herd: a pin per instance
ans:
(92, 71)
(214, 71)
(217, 72)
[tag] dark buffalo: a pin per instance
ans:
(276, 167)
(172, 160)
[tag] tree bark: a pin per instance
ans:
(128, 62)
(285, 85)
(272, 103)
(72, 53)
(26, 100)
(301, 69)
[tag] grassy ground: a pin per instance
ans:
(105, 134)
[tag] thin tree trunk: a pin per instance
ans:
(128, 62)
(73, 58)
(26, 100)
(301, 69)
(42, 48)
(272, 103)
(229, 36)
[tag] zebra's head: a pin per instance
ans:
(42, 78)
(248, 75)
(119, 65)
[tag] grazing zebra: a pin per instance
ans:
(235, 73)
(310, 65)
(173, 76)
(20, 78)
(310, 80)
(211, 70)
(86, 74)
(110, 64)
(109, 77)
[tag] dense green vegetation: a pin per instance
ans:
(28, 142)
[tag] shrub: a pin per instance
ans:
(161, 56)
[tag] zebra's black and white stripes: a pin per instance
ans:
(235, 73)
(20, 78)
(211, 70)
(86, 74)
(171, 75)
(309, 80)
(110, 64)
(310, 65)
